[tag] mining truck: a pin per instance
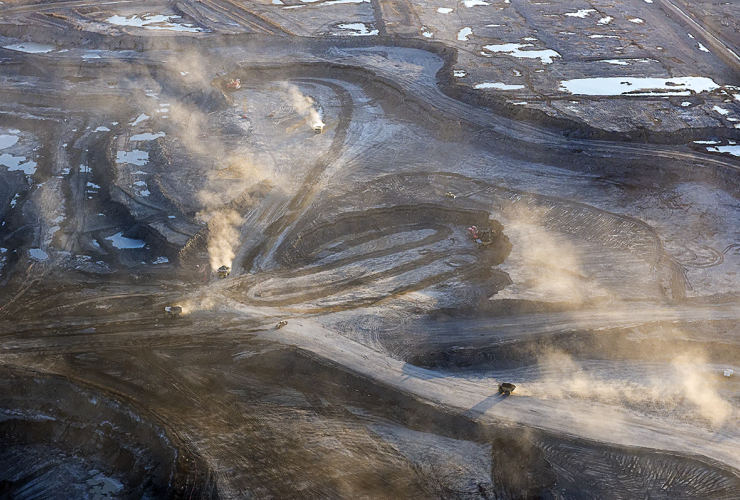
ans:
(318, 128)
(483, 236)
(506, 388)
(233, 84)
(223, 272)
(172, 311)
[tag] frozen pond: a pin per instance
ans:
(515, 49)
(7, 140)
(638, 86)
(142, 117)
(31, 47)
(153, 22)
(121, 242)
(17, 163)
(137, 157)
(733, 150)
(38, 254)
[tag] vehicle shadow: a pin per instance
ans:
(481, 408)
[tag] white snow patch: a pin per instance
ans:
(426, 33)
(30, 47)
(618, 62)
(685, 104)
(336, 2)
(153, 22)
(147, 136)
(605, 20)
(583, 13)
(603, 36)
(497, 86)
(121, 242)
(706, 142)
(633, 85)
(93, 185)
(702, 47)
(474, 3)
(7, 140)
(102, 129)
(722, 111)
(514, 49)
(464, 33)
(460, 73)
(444, 10)
(161, 260)
(359, 29)
(637, 20)
(136, 157)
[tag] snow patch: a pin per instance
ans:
(358, 29)
(497, 86)
(153, 22)
(514, 49)
(464, 33)
(583, 13)
(147, 136)
(444, 10)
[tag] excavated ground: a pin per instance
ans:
(129, 171)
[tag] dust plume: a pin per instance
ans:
(687, 387)
(223, 234)
(304, 105)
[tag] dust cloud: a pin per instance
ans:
(687, 388)
(304, 105)
(223, 235)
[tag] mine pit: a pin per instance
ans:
(353, 249)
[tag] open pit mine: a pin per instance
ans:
(369, 249)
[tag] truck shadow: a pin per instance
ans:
(485, 405)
